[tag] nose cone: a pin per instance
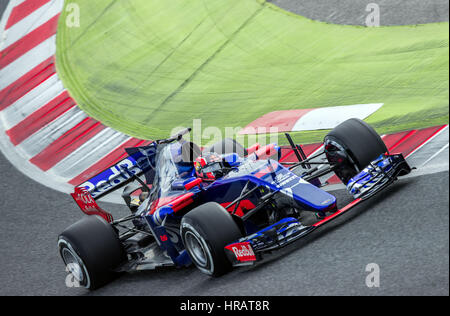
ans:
(311, 197)
(307, 195)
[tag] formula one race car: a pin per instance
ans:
(220, 207)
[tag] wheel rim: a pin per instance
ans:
(196, 248)
(73, 265)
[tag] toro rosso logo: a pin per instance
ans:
(88, 205)
(242, 251)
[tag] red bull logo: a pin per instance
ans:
(242, 251)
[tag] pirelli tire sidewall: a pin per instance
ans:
(351, 146)
(96, 245)
(214, 228)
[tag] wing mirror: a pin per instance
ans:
(193, 183)
(186, 184)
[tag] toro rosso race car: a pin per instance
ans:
(220, 207)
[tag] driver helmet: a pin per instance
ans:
(209, 166)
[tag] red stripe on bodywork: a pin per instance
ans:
(243, 207)
(26, 83)
(40, 118)
(111, 159)
(266, 151)
(253, 148)
(181, 202)
(176, 203)
(67, 143)
(243, 251)
(340, 212)
(23, 10)
(87, 204)
(28, 42)
(284, 121)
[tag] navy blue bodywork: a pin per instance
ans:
(252, 184)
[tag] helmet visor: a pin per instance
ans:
(216, 166)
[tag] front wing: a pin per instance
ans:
(377, 176)
(275, 237)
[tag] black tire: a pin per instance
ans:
(91, 246)
(205, 231)
(228, 146)
(353, 144)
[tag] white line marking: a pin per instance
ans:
(8, 75)
(17, 159)
(22, 65)
(17, 2)
(32, 101)
(107, 140)
(94, 150)
(31, 22)
(43, 138)
(429, 140)
(89, 153)
(435, 155)
(11, 5)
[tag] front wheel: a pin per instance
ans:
(205, 231)
(91, 249)
(352, 146)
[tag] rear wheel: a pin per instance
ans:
(91, 249)
(205, 231)
(351, 146)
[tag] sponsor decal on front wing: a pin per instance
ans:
(243, 252)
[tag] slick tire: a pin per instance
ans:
(91, 250)
(205, 231)
(353, 144)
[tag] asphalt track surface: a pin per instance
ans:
(392, 12)
(3, 4)
(404, 230)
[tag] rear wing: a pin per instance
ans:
(140, 161)
(88, 205)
